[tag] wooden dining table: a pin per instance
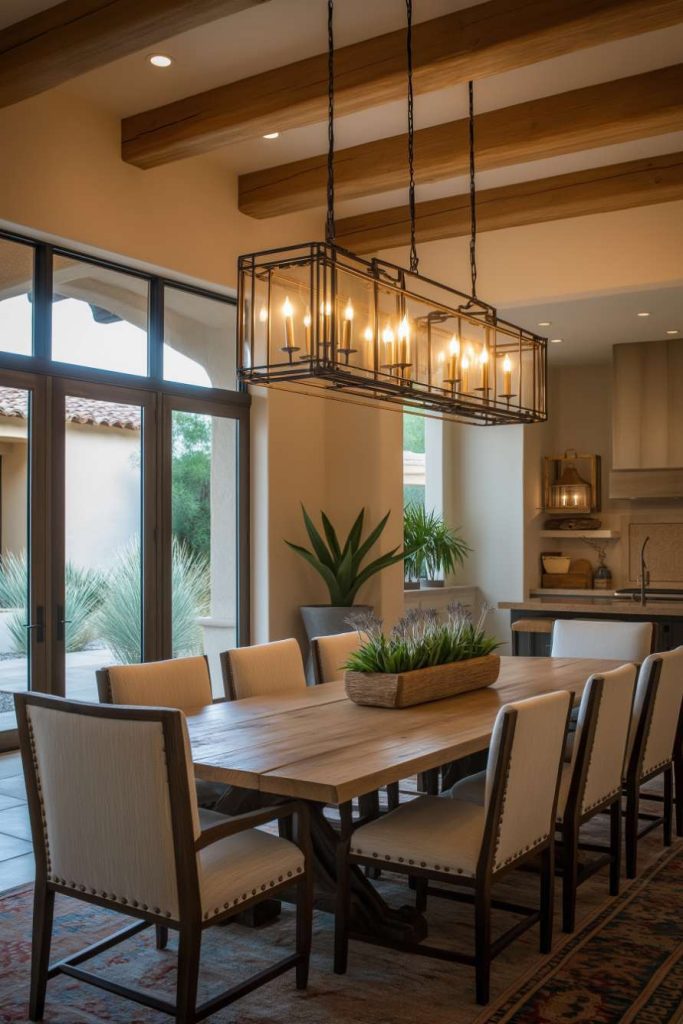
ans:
(318, 746)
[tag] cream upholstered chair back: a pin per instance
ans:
(523, 771)
(666, 697)
(330, 653)
(592, 638)
(602, 731)
(110, 789)
(263, 670)
(183, 683)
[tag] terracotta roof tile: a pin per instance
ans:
(78, 410)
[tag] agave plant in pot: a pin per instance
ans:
(340, 564)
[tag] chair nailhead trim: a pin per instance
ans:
(245, 895)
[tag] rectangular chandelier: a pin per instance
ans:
(318, 316)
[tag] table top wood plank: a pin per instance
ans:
(320, 746)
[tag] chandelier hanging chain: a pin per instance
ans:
(473, 196)
(414, 262)
(330, 229)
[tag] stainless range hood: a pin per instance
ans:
(647, 421)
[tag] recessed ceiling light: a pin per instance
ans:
(556, 341)
(642, 314)
(544, 323)
(160, 60)
(672, 332)
(272, 135)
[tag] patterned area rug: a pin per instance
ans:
(623, 965)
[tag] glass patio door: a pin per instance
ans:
(103, 554)
(204, 444)
(24, 627)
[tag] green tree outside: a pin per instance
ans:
(191, 500)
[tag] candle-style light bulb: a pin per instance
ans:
(288, 314)
(346, 325)
(507, 376)
(307, 329)
(388, 338)
(453, 359)
(404, 341)
(484, 363)
(262, 315)
(369, 334)
(465, 373)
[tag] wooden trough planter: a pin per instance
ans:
(405, 689)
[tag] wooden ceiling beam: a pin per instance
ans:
(599, 190)
(599, 115)
(76, 36)
(478, 42)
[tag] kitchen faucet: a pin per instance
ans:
(644, 574)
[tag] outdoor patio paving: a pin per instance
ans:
(80, 678)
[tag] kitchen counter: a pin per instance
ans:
(613, 606)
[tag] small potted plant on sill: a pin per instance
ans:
(437, 549)
(422, 659)
(340, 566)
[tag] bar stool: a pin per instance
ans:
(528, 627)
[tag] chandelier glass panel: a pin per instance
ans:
(319, 319)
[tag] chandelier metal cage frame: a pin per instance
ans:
(318, 319)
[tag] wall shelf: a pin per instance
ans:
(583, 534)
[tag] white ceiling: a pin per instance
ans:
(590, 327)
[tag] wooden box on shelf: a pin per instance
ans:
(405, 689)
(579, 577)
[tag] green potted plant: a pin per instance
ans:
(436, 548)
(422, 659)
(341, 567)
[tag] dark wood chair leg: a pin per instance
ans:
(428, 782)
(615, 846)
(678, 775)
(304, 926)
(342, 910)
(482, 941)
(189, 948)
(43, 913)
(421, 894)
(162, 936)
(547, 897)
(342, 905)
(631, 831)
(668, 805)
(393, 798)
(570, 870)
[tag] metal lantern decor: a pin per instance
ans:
(319, 319)
(571, 483)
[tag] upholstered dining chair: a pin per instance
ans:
(655, 742)
(464, 842)
(330, 653)
(183, 683)
(263, 670)
(600, 638)
(115, 822)
(591, 781)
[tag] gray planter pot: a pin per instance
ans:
(326, 620)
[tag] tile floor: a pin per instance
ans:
(16, 852)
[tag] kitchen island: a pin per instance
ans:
(666, 616)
